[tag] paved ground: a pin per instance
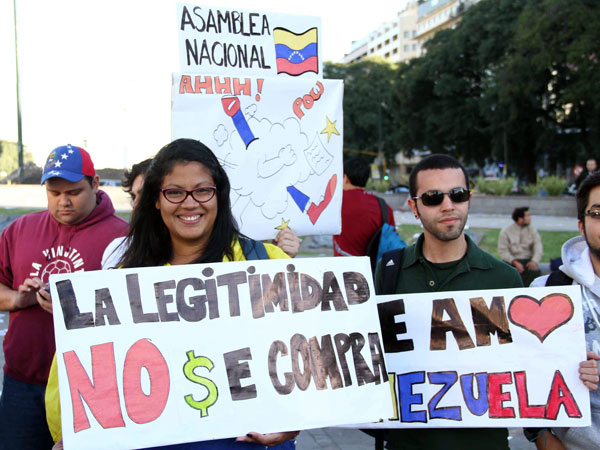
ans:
(547, 223)
(347, 439)
(343, 439)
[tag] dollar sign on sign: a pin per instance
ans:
(213, 394)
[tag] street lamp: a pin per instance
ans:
(382, 164)
(19, 132)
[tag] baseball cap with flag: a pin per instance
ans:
(69, 162)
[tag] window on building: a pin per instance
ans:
(414, 33)
(395, 37)
(406, 48)
(387, 42)
(406, 35)
(379, 46)
(395, 50)
(414, 47)
(387, 55)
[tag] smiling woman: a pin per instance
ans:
(188, 208)
(196, 230)
(184, 217)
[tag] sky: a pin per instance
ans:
(98, 74)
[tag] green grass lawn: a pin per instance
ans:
(10, 211)
(552, 240)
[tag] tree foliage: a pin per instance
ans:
(367, 91)
(9, 157)
(515, 81)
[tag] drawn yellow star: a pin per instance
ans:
(283, 225)
(330, 129)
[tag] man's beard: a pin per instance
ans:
(440, 234)
(593, 250)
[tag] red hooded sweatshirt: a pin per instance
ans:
(36, 245)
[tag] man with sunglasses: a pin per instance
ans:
(581, 266)
(443, 259)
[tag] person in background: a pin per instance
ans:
(520, 245)
(133, 181)
(70, 235)
(361, 214)
(581, 266)
(591, 166)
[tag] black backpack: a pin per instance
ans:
(558, 278)
(391, 262)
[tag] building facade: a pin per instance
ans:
(402, 38)
(437, 15)
(394, 40)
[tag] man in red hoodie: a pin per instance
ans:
(69, 236)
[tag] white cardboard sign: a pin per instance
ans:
(175, 354)
(249, 42)
(489, 358)
(280, 141)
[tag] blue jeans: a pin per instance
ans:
(23, 417)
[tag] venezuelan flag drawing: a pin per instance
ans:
(232, 107)
(314, 211)
(296, 53)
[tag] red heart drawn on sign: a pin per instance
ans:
(540, 317)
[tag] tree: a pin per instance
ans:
(551, 77)
(515, 80)
(441, 97)
(367, 88)
(9, 160)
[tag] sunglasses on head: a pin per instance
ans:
(434, 198)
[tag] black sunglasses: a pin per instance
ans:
(435, 198)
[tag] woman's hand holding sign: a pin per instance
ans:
(269, 439)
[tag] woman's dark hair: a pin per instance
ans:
(149, 239)
(129, 176)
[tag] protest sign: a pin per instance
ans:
(280, 141)
(230, 40)
(489, 358)
(174, 354)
